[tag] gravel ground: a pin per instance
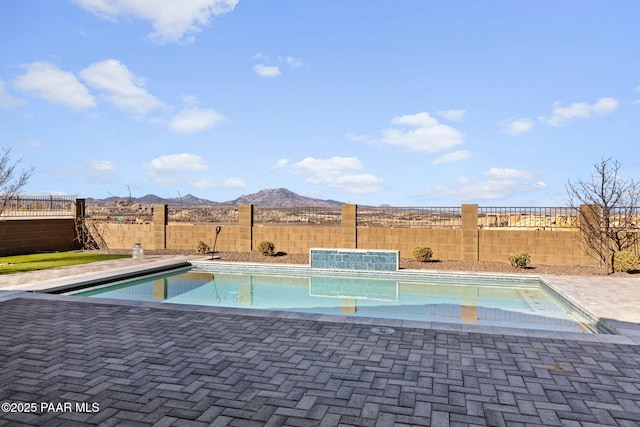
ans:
(478, 266)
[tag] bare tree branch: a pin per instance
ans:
(10, 183)
(609, 209)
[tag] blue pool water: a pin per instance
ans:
(487, 301)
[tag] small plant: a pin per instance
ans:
(202, 247)
(625, 261)
(266, 248)
(422, 253)
(519, 260)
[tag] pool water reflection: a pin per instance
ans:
(520, 305)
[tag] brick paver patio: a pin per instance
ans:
(174, 366)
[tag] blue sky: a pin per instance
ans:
(407, 103)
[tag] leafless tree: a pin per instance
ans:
(609, 209)
(11, 180)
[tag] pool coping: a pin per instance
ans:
(625, 332)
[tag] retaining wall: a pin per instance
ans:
(22, 236)
(465, 243)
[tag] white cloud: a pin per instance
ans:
(338, 172)
(54, 85)
(208, 183)
(327, 167)
(454, 156)
(453, 115)
(183, 162)
(100, 167)
(500, 183)
(95, 171)
(120, 87)
(32, 143)
(428, 136)
(266, 70)
(280, 164)
(194, 120)
(179, 169)
(293, 62)
(172, 20)
(6, 100)
(516, 127)
(357, 138)
(364, 183)
(100, 171)
(508, 174)
(604, 106)
(189, 100)
(172, 169)
(561, 115)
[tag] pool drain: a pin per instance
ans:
(138, 310)
(383, 330)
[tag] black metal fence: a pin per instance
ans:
(298, 215)
(629, 217)
(433, 217)
(37, 206)
(538, 218)
(203, 214)
(124, 214)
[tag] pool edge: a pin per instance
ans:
(368, 321)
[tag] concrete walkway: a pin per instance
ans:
(41, 280)
(104, 362)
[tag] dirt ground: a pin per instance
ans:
(476, 266)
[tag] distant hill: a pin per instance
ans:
(281, 197)
(277, 197)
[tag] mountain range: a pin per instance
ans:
(274, 197)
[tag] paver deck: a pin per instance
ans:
(157, 364)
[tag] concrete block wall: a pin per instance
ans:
(245, 227)
(298, 239)
(36, 235)
(545, 247)
(466, 243)
(124, 236)
(160, 221)
(185, 237)
(444, 243)
(349, 227)
(469, 249)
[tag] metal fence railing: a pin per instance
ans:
(37, 206)
(543, 218)
(122, 214)
(204, 214)
(433, 217)
(627, 217)
(540, 218)
(298, 215)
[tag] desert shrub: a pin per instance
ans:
(519, 260)
(422, 253)
(202, 247)
(266, 248)
(625, 261)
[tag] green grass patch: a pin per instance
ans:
(23, 263)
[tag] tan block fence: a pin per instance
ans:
(467, 241)
(470, 236)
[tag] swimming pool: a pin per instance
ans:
(481, 300)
